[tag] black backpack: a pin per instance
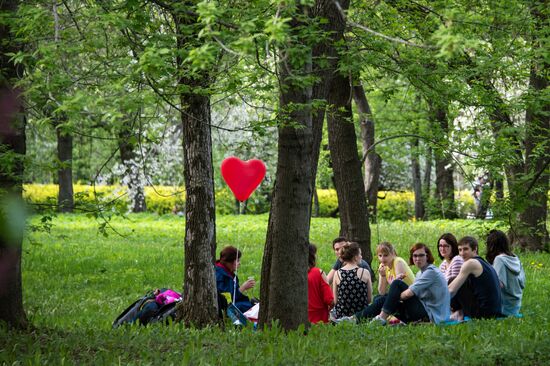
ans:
(145, 310)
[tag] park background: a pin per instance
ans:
(376, 120)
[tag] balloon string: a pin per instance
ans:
(236, 260)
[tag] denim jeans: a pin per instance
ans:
(407, 310)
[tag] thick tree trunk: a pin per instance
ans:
(12, 138)
(373, 161)
(354, 216)
(284, 267)
(199, 306)
(324, 54)
(444, 185)
(132, 169)
(531, 232)
(284, 294)
(65, 198)
(419, 211)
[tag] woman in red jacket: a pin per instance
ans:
(320, 298)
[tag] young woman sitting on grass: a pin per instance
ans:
(509, 271)
(427, 299)
(352, 286)
(447, 246)
(319, 293)
(228, 283)
(391, 268)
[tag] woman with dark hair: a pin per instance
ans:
(352, 286)
(426, 299)
(447, 246)
(227, 281)
(319, 293)
(509, 271)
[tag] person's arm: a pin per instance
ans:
(400, 270)
(407, 294)
(471, 266)
(424, 280)
(365, 277)
(247, 285)
(330, 276)
(326, 291)
(383, 281)
(335, 284)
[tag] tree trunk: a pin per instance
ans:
(132, 169)
(354, 216)
(444, 185)
(531, 232)
(324, 54)
(284, 268)
(427, 184)
(12, 138)
(65, 198)
(373, 161)
(199, 306)
(417, 181)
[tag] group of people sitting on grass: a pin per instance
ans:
(463, 286)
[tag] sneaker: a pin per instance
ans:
(345, 319)
(378, 320)
(332, 315)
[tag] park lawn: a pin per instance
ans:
(77, 281)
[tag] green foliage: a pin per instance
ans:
(76, 282)
(165, 200)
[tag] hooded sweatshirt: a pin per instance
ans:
(512, 278)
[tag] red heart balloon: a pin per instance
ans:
(242, 177)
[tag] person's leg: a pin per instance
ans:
(373, 309)
(411, 310)
(393, 299)
(466, 301)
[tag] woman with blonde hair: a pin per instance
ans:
(391, 267)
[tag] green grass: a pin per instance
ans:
(76, 282)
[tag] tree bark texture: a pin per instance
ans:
(373, 161)
(419, 211)
(132, 169)
(284, 277)
(199, 306)
(350, 190)
(444, 185)
(324, 56)
(12, 140)
(283, 289)
(531, 232)
(427, 186)
(65, 198)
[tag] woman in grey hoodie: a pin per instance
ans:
(509, 270)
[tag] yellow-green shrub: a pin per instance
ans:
(395, 205)
(43, 196)
(328, 201)
(166, 199)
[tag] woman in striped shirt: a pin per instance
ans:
(447, 246)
